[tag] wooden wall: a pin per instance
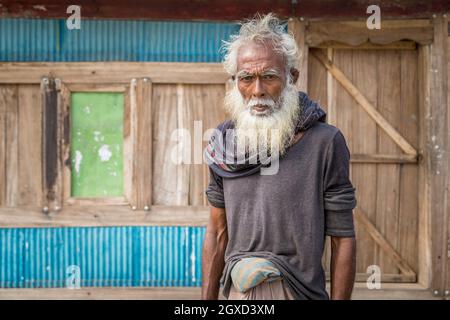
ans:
(20, 145)
(387, 193)
(174, 106)
(179, 106)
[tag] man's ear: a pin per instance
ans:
(294, 74)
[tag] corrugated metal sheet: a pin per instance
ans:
(112, 40)
(106, 256)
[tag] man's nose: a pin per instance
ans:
(258, 89)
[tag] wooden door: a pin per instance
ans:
(382, 132)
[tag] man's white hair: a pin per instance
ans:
(263, 29)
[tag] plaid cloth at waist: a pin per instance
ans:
(250, 272)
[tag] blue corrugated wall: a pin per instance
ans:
(106, 256)
(112, 40)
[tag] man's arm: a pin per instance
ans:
(214, 246)
(343, 267)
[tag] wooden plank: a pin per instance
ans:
(331, 93)
(113, 72)
(408, 127)
(184, 147)
(30, 146)
(367, 106)
(385, 278)
(128, 147)
(2, 148)
(317, 81)
(381, 158)
(387, 248)
(11, 102)
(298, 29)
(52, 139)
(424, 219)
(447, 281)
(394, 291)
(438, 151)
(6, 98)
(96, 87)
(195, 103)
(86, 201)
(104, 215)
(62, 133)
(397, 45)
(89, 293)
(143, 147)
(65, 155)
(344, 105)
(388, 291)
(364, 157)
(224, 10)
(115, 293)
(388, 176)
(164, 123)
(355, 33)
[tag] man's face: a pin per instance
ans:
(263, 104)
(260, 77)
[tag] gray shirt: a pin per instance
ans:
(285, 217)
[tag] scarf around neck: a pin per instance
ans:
(224, 161)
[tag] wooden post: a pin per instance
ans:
(298, 29)
(8, 145)
(52, 136)
(437, 153)
(424, 227)
(142, 151)
(331, 92)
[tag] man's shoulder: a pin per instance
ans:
(324, 130)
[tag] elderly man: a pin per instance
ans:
(266, 233)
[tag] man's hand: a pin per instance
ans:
(214, 246)
(343, 267)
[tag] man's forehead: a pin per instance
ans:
(259, 56)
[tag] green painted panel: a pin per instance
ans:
(97, 144)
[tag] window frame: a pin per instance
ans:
(137, 140)
(66, 91)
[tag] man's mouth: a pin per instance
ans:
(260, 108)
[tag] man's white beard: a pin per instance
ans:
(265, 133)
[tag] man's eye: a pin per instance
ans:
(246, 78)
(269, 77)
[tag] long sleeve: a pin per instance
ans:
(339, 194)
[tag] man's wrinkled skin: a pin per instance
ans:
(261, 74)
